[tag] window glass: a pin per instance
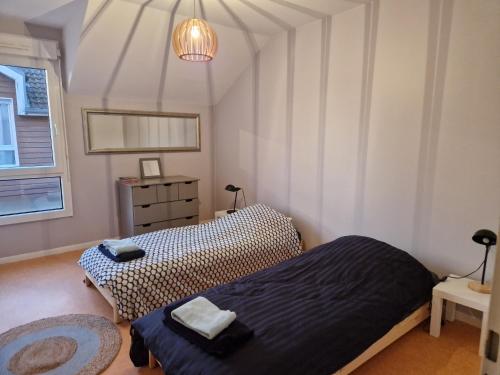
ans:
(7, 158)
(5, 125)
(30, 195)
(25, 127)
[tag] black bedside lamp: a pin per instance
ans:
(487, 238)
(233, 189)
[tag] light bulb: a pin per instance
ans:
(195, 32)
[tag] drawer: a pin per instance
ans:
(145, 194)
(188, 190)
(168, 192)
(145, 228)
(149, 213)
(190, 220)
(180, 209)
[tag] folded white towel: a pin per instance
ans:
(203, 316)
(117, 247)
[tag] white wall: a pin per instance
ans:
(407, 149)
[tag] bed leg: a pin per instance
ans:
(87, 281)
(152, 361)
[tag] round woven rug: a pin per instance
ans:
(77, 344)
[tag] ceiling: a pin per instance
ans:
(252, 11)
(30, 9)
(120, 48)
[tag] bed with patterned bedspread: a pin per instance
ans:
(187, 260)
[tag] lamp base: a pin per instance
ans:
(480, 288)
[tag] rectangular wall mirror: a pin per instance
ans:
(109, 131)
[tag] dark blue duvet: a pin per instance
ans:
(312, 314)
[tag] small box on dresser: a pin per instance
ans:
(155, 204)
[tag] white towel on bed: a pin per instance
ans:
(203, 316)
(117, 247)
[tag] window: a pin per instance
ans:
(9, 157)
(30, 195)
(34, 174)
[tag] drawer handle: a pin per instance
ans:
(145, 187)
(189, 217)
(188, 182)
(146, 225)
(189, 200)
(167, 184)
(146, 206)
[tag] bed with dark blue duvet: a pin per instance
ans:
(312, 314)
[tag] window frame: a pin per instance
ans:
(13, 135)
(39, 57)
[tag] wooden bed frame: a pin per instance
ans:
(106, 293)
(399, 330)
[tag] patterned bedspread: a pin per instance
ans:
(187, 260)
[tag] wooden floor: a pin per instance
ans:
(53, 286)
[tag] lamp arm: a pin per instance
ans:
(235, 198)
(485, 261)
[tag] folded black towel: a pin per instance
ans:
(124, 257)
(225, 343)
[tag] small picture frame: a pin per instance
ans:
(150, 167)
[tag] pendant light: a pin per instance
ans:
(194, 40)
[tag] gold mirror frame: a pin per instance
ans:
(88, 144)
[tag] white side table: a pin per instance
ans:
(456, 291)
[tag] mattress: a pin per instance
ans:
(312, 314)
(187, 260)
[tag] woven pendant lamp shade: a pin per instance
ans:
(194, 40)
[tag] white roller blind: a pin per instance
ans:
(23, 46)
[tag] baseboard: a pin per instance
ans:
(44, 253)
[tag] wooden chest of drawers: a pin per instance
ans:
(155, 204)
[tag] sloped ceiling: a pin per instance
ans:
(121, 48)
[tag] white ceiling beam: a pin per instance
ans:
(93, 19)
(250, 38)
(121, 57)
(271, 17)
(166, 56)
(302, 9)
